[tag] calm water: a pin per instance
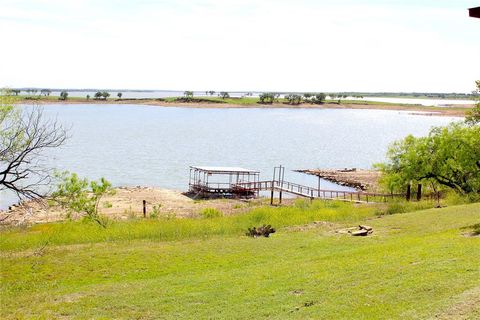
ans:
(153, 146)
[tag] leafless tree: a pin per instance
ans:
(25, 137)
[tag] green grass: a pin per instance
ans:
(415, 266)
(179, 229)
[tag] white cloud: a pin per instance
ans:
(238, 45)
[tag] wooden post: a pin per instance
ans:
(409, 187)
(319, 186)
(271, 194)
(144, 208)
(419, 192)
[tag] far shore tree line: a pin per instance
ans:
(275, 97)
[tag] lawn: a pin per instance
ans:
(416, 265)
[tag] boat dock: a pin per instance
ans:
(236, 182)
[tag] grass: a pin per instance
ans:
(415, 266)
(70, 232)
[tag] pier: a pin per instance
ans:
(236, 182)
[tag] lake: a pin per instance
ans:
(154, 146)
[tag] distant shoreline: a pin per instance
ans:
(455, 111)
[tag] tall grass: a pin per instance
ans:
(77, 232)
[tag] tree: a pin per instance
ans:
(188, 95)
(63, 95)
(105, 95)
(333, 96)
(211, 92)
(97, 95)
(46, 92)
(266, 98)
(294, 99)
(307, 96)
(81, 196)
(25, 137)
(224, 95)
(448, 156)
(473, 116)
(319, 98)
(119, 95)
(277, 97)
(88, 97)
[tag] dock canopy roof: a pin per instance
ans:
(225, 170)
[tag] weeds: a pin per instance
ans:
(155, 211)
(169, 228)
(211, 213)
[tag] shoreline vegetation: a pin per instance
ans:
(253, 102)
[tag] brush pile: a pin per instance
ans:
(264, 231)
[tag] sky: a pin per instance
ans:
(241, 45)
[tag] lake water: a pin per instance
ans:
(153, 146)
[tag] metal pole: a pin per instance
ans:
(273, 185)
(280, 178)
(319, 186)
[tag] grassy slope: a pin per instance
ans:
(415, 266)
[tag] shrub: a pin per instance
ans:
(403, 206)
(264, 231)
(476, 229)
(156, 211)
(211, 213)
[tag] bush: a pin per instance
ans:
(476, 229)
(211, 213)
(396, 207)
(155, 211)
(403, 207)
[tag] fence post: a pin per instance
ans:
(144, 208)
(409, 187)
(419, 192)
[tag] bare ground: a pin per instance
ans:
(464, 306)
(128, 203)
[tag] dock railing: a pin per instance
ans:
(311, 192)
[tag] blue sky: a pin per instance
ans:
(280, 45)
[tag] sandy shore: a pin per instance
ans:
(127, 203)
(457, 111)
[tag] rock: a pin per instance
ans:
(368, 228)
(359, 233)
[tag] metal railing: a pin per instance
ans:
(311, 192)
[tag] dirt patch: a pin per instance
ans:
(466, 306)
(128, 203)
(314, 225)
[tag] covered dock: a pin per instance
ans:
(231, 182)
